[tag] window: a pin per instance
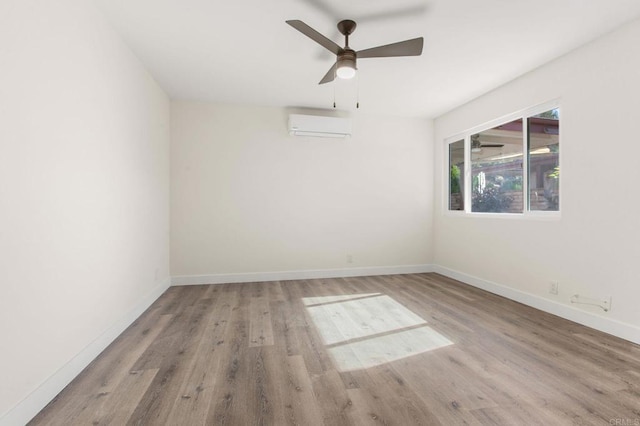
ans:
(456, 175)
(544, 161)
(496, 169)
(513, 166)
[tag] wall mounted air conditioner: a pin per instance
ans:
(319, 126)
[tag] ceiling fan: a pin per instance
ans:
(476, 145)
(345, 65)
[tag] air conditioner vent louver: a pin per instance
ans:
(319, 126)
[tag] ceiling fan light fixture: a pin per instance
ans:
(346, 71)
(346, 64)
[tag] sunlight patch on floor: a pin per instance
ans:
(365, 330)
(390, 347)
(309, 301)
(351, 319)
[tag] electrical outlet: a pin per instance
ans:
(349, 258)
(553, 287)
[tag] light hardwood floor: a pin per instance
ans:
(416, 349)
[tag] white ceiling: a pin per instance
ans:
(243, 52)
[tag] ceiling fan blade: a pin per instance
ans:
(315, 36)
(330, 75)
(411, 47)
(491, 145)
(385, 15)
(325, 7)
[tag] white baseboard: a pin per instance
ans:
(298, 275)
(610, 326)
(39, 398)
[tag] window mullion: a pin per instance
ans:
(525, 165)
(468, 178)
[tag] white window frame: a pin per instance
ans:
(523, 114)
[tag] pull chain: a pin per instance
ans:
(334, 89)
(357, 90)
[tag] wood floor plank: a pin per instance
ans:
(229, 399)
(177, 364)
(298, 397)
(105, 374)
(196, 390)
(332, 397)
(260, 323)
(366, 410)
(116, 408)
(174, 333)
(417, 349)
(261, 396)
(385, 385)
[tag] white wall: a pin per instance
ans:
(249, 198)
(84, 194)
(593, 249)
